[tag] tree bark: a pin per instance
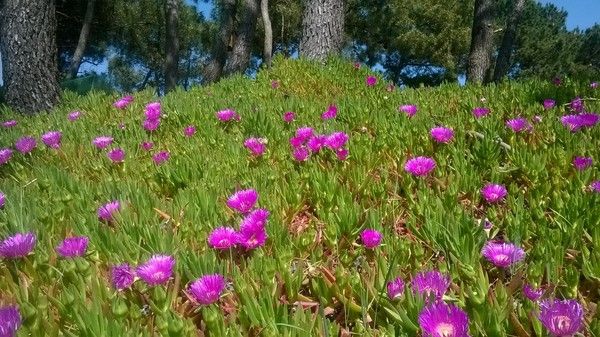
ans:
(242, 47)
(82, 42)
(481, 41)
(506, 48)
(29, 54)
(322, 28)
(172, 45)
(268, 47)
(214, 69)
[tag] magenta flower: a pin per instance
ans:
(9, 124)
(243, 201)
(289, 116)
(5, 155)
(151, 124)
(588, 120)
(443, 320)
(17, 246)
(371, 81)
(189, 131)
(493, 193)
(431, 283)
(10, 321)
(252, 233)
(256, 146)
(207, 289)
(147, 146)
(395, 288)
(336, 140)
(502, 254)
(116, 155)
(331, 113)
(532, 293)
(595, 186)
(52, 139)
(581, 163)
(594, 85)
(561, 318)
(227, 115)
(576, 105)
(549, 103)
(102, 142)
(442, 134)
(420, 166)
(157, 270)
(274, 84)
(258, 216)
(25, 144)
(74, 115)
(223, 238)
(519, 124)
(301, 153)
(537, 119)
(2, 200)
(123, 102)
(161, 157)
(409, 109)
(122, 276)
(152, 111)
(304, 133)
(341, 154)
(370, 238)
(479, 112)
(107, 211)
(72, 247)
(316, 143)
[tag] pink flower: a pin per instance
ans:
(9, 124)
(151, 124)
(371, 81)
(117, 155)
(330, 113)
(442, 134)
(223, 238)
(227, 115)
(161, 157)
(342, 154)
(519, 124)
(123, 102)
(370, 238)
(146, 145)
(304, 133)
(243, 201)
(336, 140)
(582, 163)
(420, 166)
(73, 116)
(549, 103)
(409, 109)
(301, 153)
(256, 146)
(52, 139)
(102, 142)
(315, 143)
(274, 84)
(480, 112)
(189, 130)
(152, 111)
(494, 193)
(289, 116)
(25, 144)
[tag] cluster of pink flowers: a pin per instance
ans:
(306, 143)
(152, 114)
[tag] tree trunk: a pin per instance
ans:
(82, 42)
(242, 47)
(481, 41)
(268, 47)
(214, 69)
(503, 60)
(29, 54)
(172, 45)
(322, 28)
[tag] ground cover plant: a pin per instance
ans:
(310, 201)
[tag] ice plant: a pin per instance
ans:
(301, 153)
(25, 144)
(371, 81)
(341, 154)
(289, 116)
(595, 186)
(316, 143)
(151, 124)
(493, 193)
(107, 211)
(161, 157)
(102, 142)
(9, 124)
(122, 276)
(10, 321)
(395, 288)
(420, 166)
(17, 246)
(147, 146)
(189, 131)
(152, 111)
(123, 102)
(561, 318)
(370, 238)
(502, 254)
(73, 116)
(72, 247)
(576, 105)
(258, 216)
(227, 115)
(2, 200)
(116, 155)
(274, 84)
(594, 85)
(157, 270)
(549, 103)
(223, 238)
(252, 233)
(304, 133)
(336, 140)
(256, 146)
(430, 283)
(409, 109)
(519, 124)
(443, 320)
(243, 201)
(581, 163)
(479, 112)
(207, 289)
(442, 134)
(532, 293)
(52, 139)
(5, 155)
(330, 113)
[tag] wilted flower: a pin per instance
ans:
(152, 111)
(301, 153)
(10, 321)
(502, 254)
(532, 293)
(356, 65)
(17, 246)
(371, 81)
(223, 238)
(594, 85)
(549, 103)
(161, 157)
(493, 193)
(395, 288)
(330, 113)
(25, 144)
(443, 320)
(519, 124)
(252, 233)
(108, 210)
(74, 115)
(102, 142)
(442, 134)
(431, 283)
(243, 201)
(581, 163)
(123, 276)
(409, 109)
(123, 102)
(289, 116)
(576, 105)
(256, 146)
(189, 130)
(2, 200)
(157, 270)
(227, 115)
(537, 119)
(479, 112)
(116, 155)
(52, 139)
(561, 318)
(5, 155)
(207, 289)
(390, 87)
(151, 124)
(147, 146)
(595, 186)
(420, 166)
(336, 140)
(72, 247)
(9, 124)
(556, 81)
